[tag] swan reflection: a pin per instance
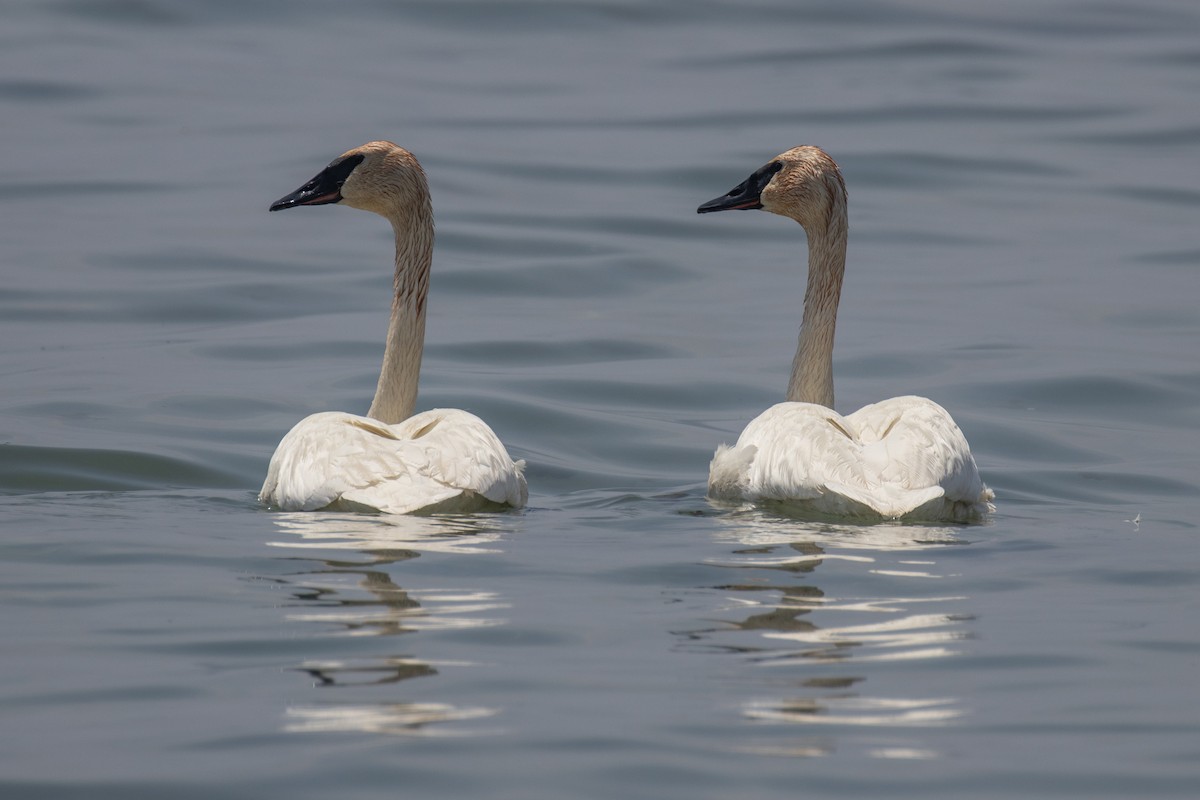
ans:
(366, 672)
(854, 710)
(755, 527)
(387, 533)
(396, 719)
(828, 647)
(899, 638)
(346, 586)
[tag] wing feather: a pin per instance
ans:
(903, 457)
(444, 458)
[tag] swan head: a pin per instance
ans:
(804, 184)
(378, 176)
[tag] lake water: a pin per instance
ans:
(1024, 250)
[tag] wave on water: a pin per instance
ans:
(34, 470)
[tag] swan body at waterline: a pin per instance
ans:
(903, 458)
(391, 460)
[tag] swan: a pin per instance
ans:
(391, 460)
(898, 458)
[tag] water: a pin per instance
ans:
(1023, 250)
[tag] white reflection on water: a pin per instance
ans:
(370, 533)
(855, 710)
(356, 594)
(362, 596)
(433, 609)
(906, 753)
(755, 527)
(913, 636)
(835, 643)
(394, 719)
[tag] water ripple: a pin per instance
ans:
(30, 470)
(42, 91)
(776, 617)
(357, 594)
(920, 50)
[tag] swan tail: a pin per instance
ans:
(511, 488)
(729, 472)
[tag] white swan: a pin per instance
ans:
(899, 458)
(391, 460)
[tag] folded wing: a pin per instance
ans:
(443, 459)
(903, 457)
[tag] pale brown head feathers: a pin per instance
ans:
(804, 183)
(808, 188)
(389, 181)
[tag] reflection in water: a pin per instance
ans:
(907, 637)
(357, 595)
(386, 534)
(754, 527)
(855, 710)
(785, 622)
(366, 672)
(397, 719)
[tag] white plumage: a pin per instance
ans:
(443, 459)
(899, 458)
(391, 460)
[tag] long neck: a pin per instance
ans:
(812, 368)
(396, 394)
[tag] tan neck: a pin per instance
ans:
(812, 368)
(396, 395)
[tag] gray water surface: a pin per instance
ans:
(1024, 250)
